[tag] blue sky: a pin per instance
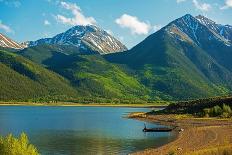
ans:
(128, 20)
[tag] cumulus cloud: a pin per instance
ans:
(134, 24)
(228, 4)
(121, 38)
(45, 35)
(46, 23)
(179, 1)
(14, 3)
(78, 17)
(199, 5)
(110, 32)
(202, 6)
(5, 28)
(157, 27)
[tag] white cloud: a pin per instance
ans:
(157, 27)
(46, 23)
(133, 23)
(110, 32)
(180, 1)
(5, 28)
(78, 17)
(202, 6)
(46, 35)
(14, 3)
(228, 4)
(199, 5)
(121, 38)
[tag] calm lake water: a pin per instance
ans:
(80, 130)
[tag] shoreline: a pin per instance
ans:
(199, 135)
(68, 104)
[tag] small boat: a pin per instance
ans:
(164, 129)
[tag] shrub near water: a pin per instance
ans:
(10, 145)
(216, 111)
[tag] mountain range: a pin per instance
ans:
(187, 59)
(88, 38)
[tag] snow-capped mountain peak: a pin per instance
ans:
(200, 30)
(223, 31)
(187, 26)
(85, 38)
(9, 43)
(204, 20)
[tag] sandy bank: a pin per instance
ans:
(70, 104)
(199, 134)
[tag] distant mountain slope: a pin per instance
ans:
(187, 59)
(9, 43)
(176, 62)
(86, 38)
(42, 53)
(221, 30)
(89, 74)
(21, 79)
(94, 76)
(221, 52)
(214, 39)
(201, 30)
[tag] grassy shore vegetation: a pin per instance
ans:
(210, 107)
(217, 111)
(10, 145)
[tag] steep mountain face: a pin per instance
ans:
(181, 60)
(219, 50)
(219, 29)
(201, 30)
(214, 39)
(85, 38)
(9, 43)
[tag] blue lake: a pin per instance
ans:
(80, 130)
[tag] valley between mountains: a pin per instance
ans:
(187, 59)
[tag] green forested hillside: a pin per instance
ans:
(91, 75)
(178, 69)
(21, 79)
(42, 54)
(175, 63)
(159, 68)
(80, 78)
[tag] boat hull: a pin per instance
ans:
(157, 130)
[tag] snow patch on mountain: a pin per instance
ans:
(201, 30)
(9, 43)
(88, 37)
(222, 32)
